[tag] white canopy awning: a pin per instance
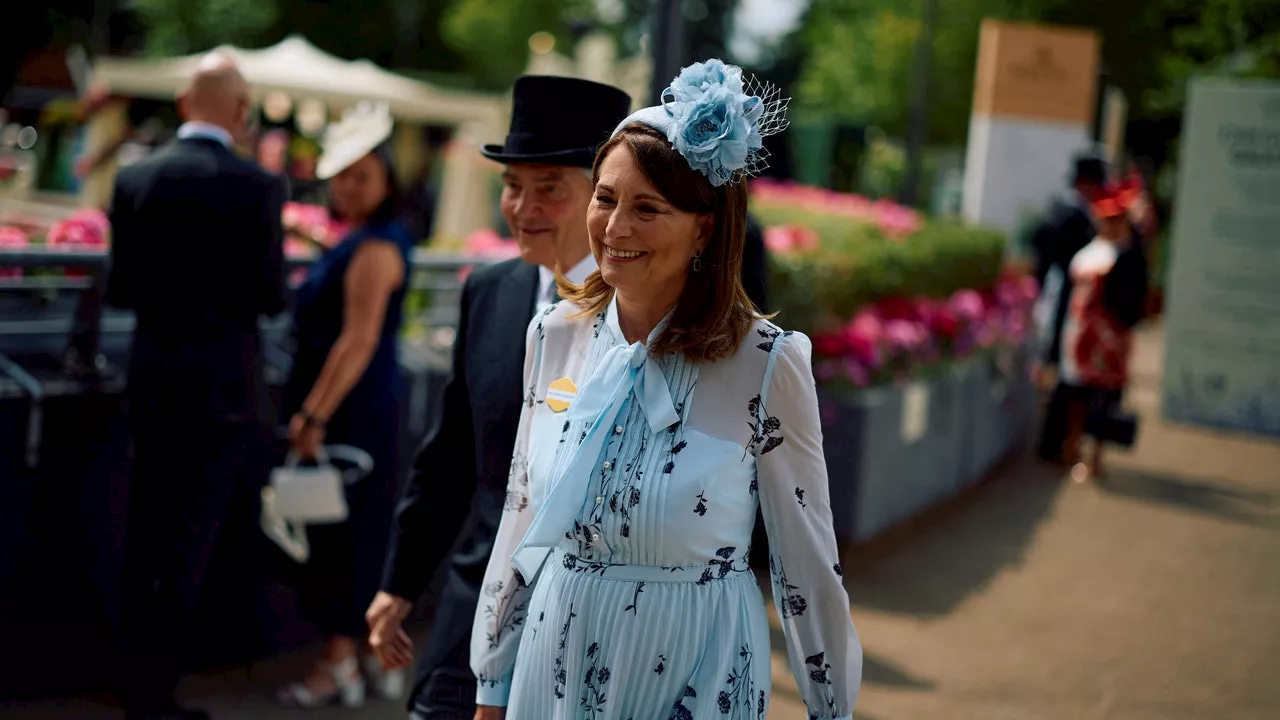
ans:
(301, 70)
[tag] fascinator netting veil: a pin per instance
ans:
(717, 120)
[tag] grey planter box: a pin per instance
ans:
(893, 451)
(1002, 401)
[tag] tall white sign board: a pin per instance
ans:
(1033, 106)
(1222, 327)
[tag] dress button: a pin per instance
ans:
(617, 429)
(607, 465)
(599, 500)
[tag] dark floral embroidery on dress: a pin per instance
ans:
(701, 507)
(839, 570)
(820, 675)
(661, 667)
(721, 565)
(536, 626)
(680, 712)
(504, 613)
(628, 496)
(677, 431)
(635, 599)
(790, 602)
(516, 501)
(561, 675)
(800, 497)
(770, 334)
(593, 685)
(740, 693)
(765, 429)
(595, 329)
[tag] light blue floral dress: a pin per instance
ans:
(619, 588)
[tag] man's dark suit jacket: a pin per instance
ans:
(1061, 235)
(460, 473)
(197, 254)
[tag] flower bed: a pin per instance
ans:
(918, 328)
(83, 230)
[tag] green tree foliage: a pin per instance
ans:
(860, 61)
(857, 54)
(185, 26)
(492, 36)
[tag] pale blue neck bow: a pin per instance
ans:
(624, 368)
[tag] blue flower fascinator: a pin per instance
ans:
(717, 120)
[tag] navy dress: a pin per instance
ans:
(344, 571)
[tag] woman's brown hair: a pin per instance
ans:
(713, 313)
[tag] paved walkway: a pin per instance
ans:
(1154, 595)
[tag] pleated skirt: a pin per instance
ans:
(608, 648)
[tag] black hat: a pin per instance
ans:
(559, 121)
(1090, 168)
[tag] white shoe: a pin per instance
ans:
(348, 689)
(390, 684)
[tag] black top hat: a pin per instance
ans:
(1089, 167)
(559, 121)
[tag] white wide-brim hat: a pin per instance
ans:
(361, 130)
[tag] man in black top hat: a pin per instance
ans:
(1066, 229)
(459, 478)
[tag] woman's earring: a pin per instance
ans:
(697, 261)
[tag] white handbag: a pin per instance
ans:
(299, 495)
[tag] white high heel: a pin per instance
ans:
(389, 684)
(349, 688)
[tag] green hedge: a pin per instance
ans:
(856, 264)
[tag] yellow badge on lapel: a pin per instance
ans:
(560, 394)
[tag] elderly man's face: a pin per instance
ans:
(546, 207)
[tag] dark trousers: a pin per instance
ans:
(191, 479)
(1053, 433)
(445, 690)
(338, 582)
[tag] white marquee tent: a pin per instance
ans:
(299, 69)
(302, 71)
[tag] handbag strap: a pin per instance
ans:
(359, 459)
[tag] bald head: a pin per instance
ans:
(216, 93)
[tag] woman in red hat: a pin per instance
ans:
(1097, 338)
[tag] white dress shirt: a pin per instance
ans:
(576, 274)
(208, 131)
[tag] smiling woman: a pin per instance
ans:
(666, 238)
(651, 433)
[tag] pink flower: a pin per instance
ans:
(925, 310)
(864, 350)
(95, 223)
(295, 248)
(945, 323)
(967, 305)
(903, 336)
(1029, 287)
(897, 309)
(487, 243)
(828, 345)
(855, 373)
(11, 238)
(826, 370)
(779, 239)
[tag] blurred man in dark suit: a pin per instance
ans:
(1066, 229)
(197, 254)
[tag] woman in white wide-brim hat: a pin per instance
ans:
(344, 388)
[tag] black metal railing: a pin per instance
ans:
(63, 321)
